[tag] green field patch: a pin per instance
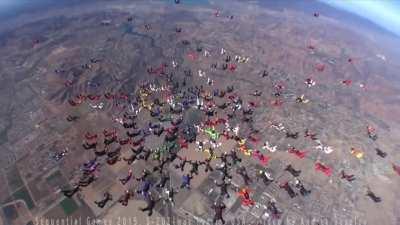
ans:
(14, 178)
(24, 195)
(69, 206)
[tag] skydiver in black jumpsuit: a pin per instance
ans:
(243, 173)
(71, 192)
(292, 171)
(103, 202)
(218, 209)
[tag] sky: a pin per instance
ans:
(384, 13)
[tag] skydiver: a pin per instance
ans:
(309, 82)
(163, 180)
(294, 135)
(100, 152)
(89, 167)
(371, 133)
(145, 188)
(243, 173)
(146, 154)
(107, 133)
(124, 141)
(188, 73)
(302, 99)
(127, 178)
(108, 141)
(347, 177)
(186, 181)
(207, 163)
(131, 159)
(182, 164)
(106, 197)
(125, 197)
(88, 146)
(247, 111)
(266, 177)
(293, 171)
(223, 105)
(224, 158)
(381, 153)
(218, 209)
(184, 82)
(72, 118)
(300, 186)
(90, 163)
(130, 116)
(71, 192)
(288, 189)
(151, 203)
(264, 73)
(195, 167)
(372, 195)
(230, 89)
(273, 209)
(257, 93)
(146, 132)
(160, 167)
(86, 180)
(245, 194)
(224, 66)
(311, 135)
(137, 150)
(133, 132)
(172, 156)
(89, 136)
(222, 94)
(127, 125)
(112, 153)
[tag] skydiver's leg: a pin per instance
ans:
(150, 212)
(222, 220)
(145, 209)
(214, 220)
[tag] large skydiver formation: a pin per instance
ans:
(166, 104)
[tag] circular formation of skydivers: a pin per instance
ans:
(167, 104)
